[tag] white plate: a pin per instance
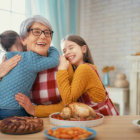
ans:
(135, 122)
(89, 123)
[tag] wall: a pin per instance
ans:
(112, 31)
(2, 53)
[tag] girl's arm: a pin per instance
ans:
(64, 64)
(40, 63)
(39, 110)
(81, 83)
(8, 65)
(25, 102)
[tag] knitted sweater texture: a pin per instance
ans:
(21, 78)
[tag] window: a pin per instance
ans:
(12, 13)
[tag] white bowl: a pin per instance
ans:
(135, 122)
(89, 123)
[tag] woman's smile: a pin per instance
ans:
(41, 44)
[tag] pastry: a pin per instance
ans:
(21, 125)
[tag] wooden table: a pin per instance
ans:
(113, 128)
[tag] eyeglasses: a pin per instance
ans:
(38, 32)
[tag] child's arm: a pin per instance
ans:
(8, 65)
(40, 63)
(84, 80)
(39, 110)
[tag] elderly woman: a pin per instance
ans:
(44, 93)
(83, 86)
(36, 34)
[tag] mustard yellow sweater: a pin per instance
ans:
(85, 80)
(72, 86)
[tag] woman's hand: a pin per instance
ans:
(63, 63)
(8, 65)
(25, 102)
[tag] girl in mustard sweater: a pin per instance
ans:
(84, 85)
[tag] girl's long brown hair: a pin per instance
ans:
(81, 42)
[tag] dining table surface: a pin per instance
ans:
(112, 128)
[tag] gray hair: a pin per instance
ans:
(26, 24)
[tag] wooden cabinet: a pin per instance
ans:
(2, 53)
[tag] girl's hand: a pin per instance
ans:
(8, 65)
(63, 63)
(25, 102)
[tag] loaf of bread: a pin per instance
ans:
(21, 125)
